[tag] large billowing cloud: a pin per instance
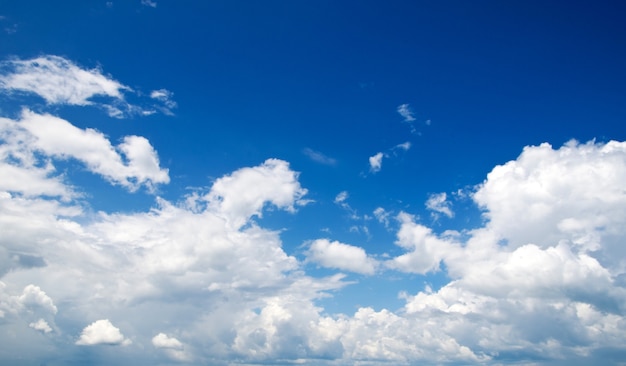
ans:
(200, 279)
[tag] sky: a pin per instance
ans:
(312, 182)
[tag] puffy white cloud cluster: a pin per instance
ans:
(200, 280)
(227, 289)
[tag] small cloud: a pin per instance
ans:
(376, 162)
(382, 216)
(41, 325)
(406, 112)
(172, 347)
(341, 197)
(149, 3)
(438, 204)
(405, 146)
(165, 97)
(319, 157)
(341, 256)
(161, 340)
(102, 332)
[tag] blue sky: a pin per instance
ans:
(326, 183)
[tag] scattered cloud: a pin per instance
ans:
(341, 256)
(376, 162)
(382, 216)
(404, 146)
(102, 332)
(60, 81)
(542, 276)
(149, 3)
(439, 204)
(341, 197)
(165, 97)
(319, 157)
(405, 111)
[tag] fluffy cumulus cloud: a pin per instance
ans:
(203, 270)
(31, 143)
(341, 256)
(200, 279)
(102, 332)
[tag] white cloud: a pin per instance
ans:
(165, 97)
(172, 347)
(244, 193)
(102, 332)
(149, 3)
(376, 162)
(161, 340)
(438, 203)
(319, 157)
(341, 197)
(574, 193)
(58, 138)
(34, 296)
(233, 291)
(405, 111)
(41, 325)
(382, 216)
(404, 146)
(341, 256)
(58, 80)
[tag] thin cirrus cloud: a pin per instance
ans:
(319, 157)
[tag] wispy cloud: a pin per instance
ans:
(404, 146)
(149, 3)
(439, 204)
(166, 98)
(319, 157)
(406, 112)
(60, 81)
